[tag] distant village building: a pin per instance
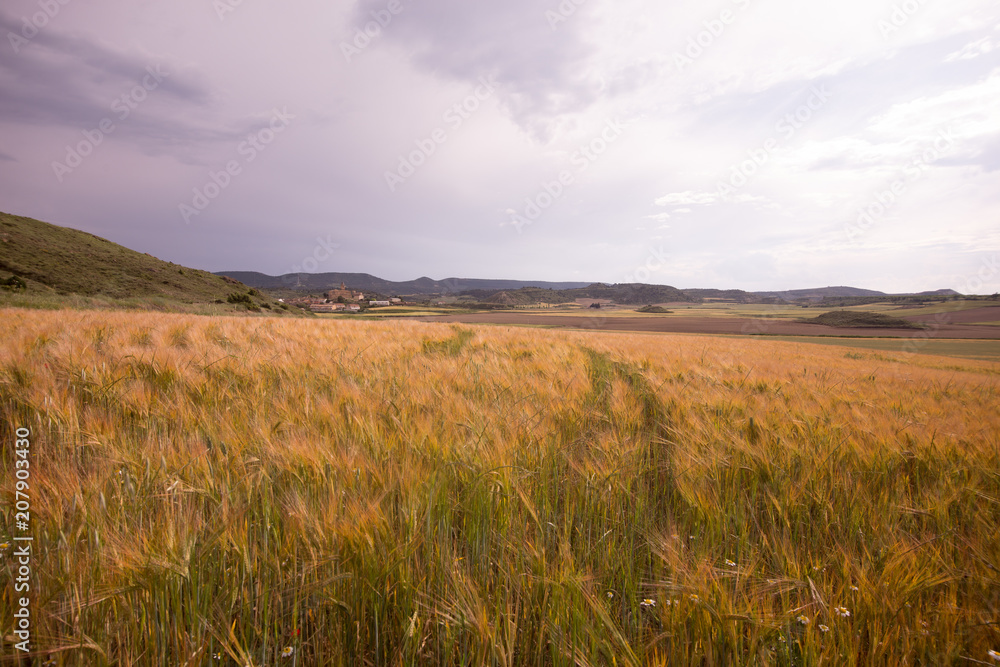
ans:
(378, 303)
(353, 307)
(346, 294)
(395, 299)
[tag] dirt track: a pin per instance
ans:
(943, 328)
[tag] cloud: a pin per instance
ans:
(75, 81)
(544, 72)
(972, 50)
(689, 198)
(558, 88)
(69, 79)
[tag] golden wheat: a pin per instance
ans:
(344, 493)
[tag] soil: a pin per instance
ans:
(984, 314)
(954, 327)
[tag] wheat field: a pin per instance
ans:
(231, 491)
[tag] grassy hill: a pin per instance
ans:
(60, 266)
(860, 319)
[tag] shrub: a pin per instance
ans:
(14, 283)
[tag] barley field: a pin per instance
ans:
(232, 491)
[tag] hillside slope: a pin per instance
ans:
(59, 262)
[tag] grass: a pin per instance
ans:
(391, 493)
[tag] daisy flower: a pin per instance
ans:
(841, 611)
(287, 652)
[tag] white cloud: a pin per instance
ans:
(967, 111)
(687, 197)
(972, 50)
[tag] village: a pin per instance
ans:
(342, 300)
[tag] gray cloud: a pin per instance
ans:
(544, 72)
(75, 81)
(58, 78)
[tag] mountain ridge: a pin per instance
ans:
(489, 289)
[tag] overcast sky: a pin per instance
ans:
(755, 144)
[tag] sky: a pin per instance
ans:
(752, 144)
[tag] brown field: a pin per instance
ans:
(951, 325)
(970, 316)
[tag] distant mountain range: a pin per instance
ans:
(366, 282)
(520, 292)
(45, 261)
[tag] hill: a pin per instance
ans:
(860, 319)
(732, 295)
(819, 293)
(56, 264)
